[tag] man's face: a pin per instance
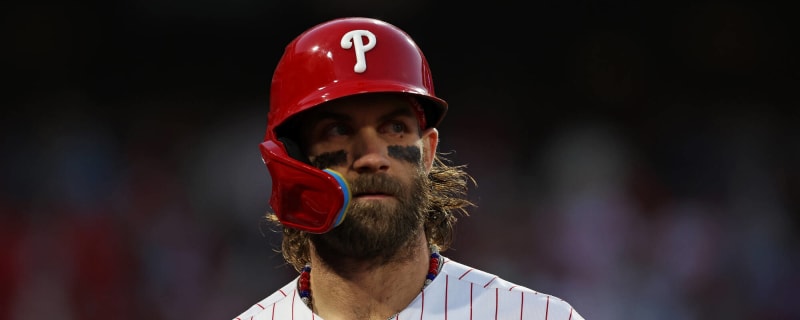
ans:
(375, 142)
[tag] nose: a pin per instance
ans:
(370, 152)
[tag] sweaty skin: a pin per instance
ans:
(405, 153)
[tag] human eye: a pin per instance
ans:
(398, 127)
(395, 127)
(334, 130)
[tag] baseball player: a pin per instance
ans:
(365, 202)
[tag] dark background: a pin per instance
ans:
(637, 160)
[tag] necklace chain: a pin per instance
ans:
(304, 283)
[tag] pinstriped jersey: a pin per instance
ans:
(458, 292)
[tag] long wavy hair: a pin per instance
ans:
(449, 185)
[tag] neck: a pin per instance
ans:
(369, 290)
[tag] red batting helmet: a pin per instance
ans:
(335, 59)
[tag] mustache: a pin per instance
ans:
(376, 183)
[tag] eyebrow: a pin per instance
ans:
(399, 111)
(324, 115)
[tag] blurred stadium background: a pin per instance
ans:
(640, 161)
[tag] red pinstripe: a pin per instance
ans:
(421, 307)
(521, 304)
(570, 313)
(490, 282)
(465, 273)
(547, 308)
(273, 311)
(292, 305)
(446, 288)
(283, 293)
(470, 300)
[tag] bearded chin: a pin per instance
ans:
(377, 231)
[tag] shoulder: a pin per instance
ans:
(483, 292)
(267, 307)
(476, 277)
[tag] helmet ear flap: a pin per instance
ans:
(304, 197)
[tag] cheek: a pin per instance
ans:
(409, 154)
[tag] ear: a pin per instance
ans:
(430, 141)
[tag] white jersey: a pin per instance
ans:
(458, 292)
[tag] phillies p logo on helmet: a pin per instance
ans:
(354, 38)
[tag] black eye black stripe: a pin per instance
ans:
(330, 159)
(405, 153)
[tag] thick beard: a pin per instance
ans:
(373, 231)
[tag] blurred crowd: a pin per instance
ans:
(637, 174)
